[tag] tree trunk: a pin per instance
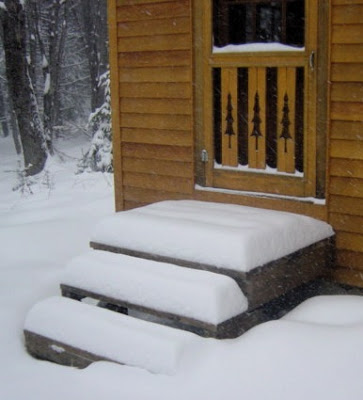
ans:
(15, 130)
(52, 70)
(92, 18)
(3, 112)
(21, 89)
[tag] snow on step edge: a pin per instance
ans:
(201, 295)
(224, 235)
(116, 337)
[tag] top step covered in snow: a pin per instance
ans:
(267, 252)
(223, 235)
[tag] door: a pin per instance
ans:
(259, 71)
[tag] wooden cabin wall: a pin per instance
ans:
(152, 101)
(151, 49)
(346, 138)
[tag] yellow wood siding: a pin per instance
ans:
(151, 50)
(155, 127)
(154, 57)
(346, 134)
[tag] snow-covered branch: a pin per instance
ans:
(99, 155)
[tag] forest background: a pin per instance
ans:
(54, 80)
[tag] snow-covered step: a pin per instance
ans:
(226, 236)
(267, 252)
(69, 332)
(204, 302)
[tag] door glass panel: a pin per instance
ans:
(243, 22)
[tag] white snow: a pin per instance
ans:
(224, 235)
(116, 337)
(255, 47)
(47, 83)
(57, 349)
(3, 6)
(202, 295)
(312, 357)
(329, 310)
(45, 63)
(312, 200)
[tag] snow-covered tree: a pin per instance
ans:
(99, 155)
(22, 93)
(61, 68)
(4, 123)
(47, 24)
(92, 21)
(7, 116)
(75, 83)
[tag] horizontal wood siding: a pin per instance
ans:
(346, 138)
(154, 48)
(151, 48)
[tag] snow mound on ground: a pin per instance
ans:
(202, 295)
(224, 235)
(114, 336)
(329, 310)
(269, 362)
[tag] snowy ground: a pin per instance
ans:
(316, 352)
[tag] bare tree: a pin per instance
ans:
(7, 115)
(4, 123)
(57, 58)
(21, 90)
(92, 20)
(57, 35)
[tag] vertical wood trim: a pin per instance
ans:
(310, 101)
(257, 84)
(281, 90)
(291, 92)
(208, 88)
(328, 133)
(192, 97)
(115, 105)
(198, 90)
(229, 100)
(286, 93)
(323, 89)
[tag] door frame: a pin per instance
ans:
(312, 184)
